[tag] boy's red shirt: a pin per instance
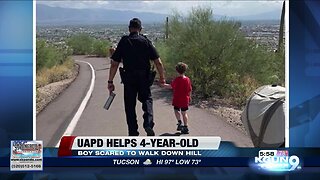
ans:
(181, 86)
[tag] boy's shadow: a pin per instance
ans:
(171, 134)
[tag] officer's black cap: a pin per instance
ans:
(135, 23)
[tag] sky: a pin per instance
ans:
(226, 8)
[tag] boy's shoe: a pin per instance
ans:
(184, 130)
(179, 125)
(149, 131)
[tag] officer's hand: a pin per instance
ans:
(162, 82)
(111, 87)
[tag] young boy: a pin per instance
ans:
(181, 87)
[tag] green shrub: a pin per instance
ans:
(100, 48)
(47, 55)
(53, 63)
(221, 60)
(83, 44)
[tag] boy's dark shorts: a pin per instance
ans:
(180, 109)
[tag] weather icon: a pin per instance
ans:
(147, 162)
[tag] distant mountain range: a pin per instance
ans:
(47, 15)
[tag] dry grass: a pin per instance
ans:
(242, 91)
(56, 73)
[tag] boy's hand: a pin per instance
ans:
(167, 86)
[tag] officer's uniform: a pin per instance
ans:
(136, 51)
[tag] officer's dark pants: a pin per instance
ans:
(137, 85)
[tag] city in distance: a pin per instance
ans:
(55, 24)
(47, 15)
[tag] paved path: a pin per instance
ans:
(96, 121)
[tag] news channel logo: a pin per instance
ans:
(276, 161)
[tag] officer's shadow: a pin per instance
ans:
(171, 134)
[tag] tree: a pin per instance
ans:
(48, 56)
(280, 44)
(100, 48)
(81, 44)
(221, 60)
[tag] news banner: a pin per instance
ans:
(140, 151)
(169, 151)
(162, 151)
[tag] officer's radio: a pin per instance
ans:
(109, 101)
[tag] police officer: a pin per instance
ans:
(136, 51)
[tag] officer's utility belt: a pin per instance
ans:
(129, 76)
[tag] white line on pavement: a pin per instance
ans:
(82, 106)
